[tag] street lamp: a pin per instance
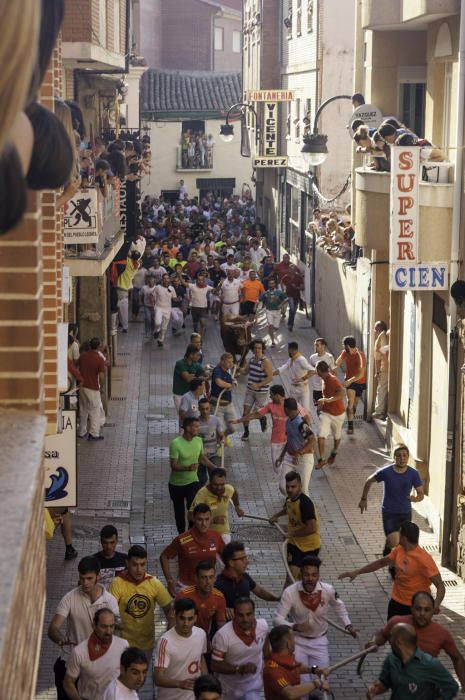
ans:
(315, 151)
(227, 129)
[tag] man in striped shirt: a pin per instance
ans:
(260, 374)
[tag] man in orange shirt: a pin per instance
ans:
(332, 414)
(199, 543)
(250, 292)
(209, 601)
(415, 571)
(355, 379)
(282, 671)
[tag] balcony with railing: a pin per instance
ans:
(372, 199)
(198, 158)
(92, 231)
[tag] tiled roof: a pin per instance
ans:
(189, 91)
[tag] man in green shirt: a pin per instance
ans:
(185, 370)
(410, 673)
(186, 452)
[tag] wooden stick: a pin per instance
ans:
(354, 657)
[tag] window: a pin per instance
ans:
(103, 22)
(309, 15)
(236, 41)
(288, 19)
(117, 26)
(219, 39)
(446, 136)
(299, 17)
(412, 106)
(297, 118)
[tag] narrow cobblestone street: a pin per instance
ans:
(123, 480)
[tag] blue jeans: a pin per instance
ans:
(149, 319)
(293, 306)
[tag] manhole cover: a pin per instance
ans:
(255, 533)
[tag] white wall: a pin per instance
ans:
(227, 160)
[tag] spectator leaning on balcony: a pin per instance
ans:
(124, 283)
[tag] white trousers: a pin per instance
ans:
(276, 449)
(123, 306)
(301, 393)
(311, 652)
(90, 412)
(382, 394)
(304, 467)
(231, 308)
(162, 319)
(177, 318)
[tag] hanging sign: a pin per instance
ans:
(272, 95)
(80, 219)
(60, 464)
(270, 135)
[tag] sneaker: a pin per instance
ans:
(159, 343)
(70, 553)
(245, 436)
(83, 437)
(125, 330)
(263, 425)
(95, 437)
(156, 334)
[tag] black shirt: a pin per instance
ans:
(110, 567)
(232, 589)
(216, 275)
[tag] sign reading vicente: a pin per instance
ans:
(270, 142)
(60, 464)
(270, 95)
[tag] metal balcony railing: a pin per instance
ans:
(200, 161)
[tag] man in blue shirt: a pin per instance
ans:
(222, 382)
(297, 453)
(410, 673)
(399, 479)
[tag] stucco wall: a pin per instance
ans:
(227, 60)
(227, 160)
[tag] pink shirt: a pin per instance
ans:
(279, 418)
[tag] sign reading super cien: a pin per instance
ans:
(407, 272)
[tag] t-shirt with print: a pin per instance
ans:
(192, 547)
(218, 505)
(208, 431)
(414, 569)
(301, 511)
(190, 405)
(185, 452)
(279, 418)
(137, 605)
(272, 300)
(181, 657)
(397, 488)
(109, 568)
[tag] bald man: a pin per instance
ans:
(408, 667)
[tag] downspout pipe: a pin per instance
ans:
(450, 481)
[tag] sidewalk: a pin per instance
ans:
(123, 480)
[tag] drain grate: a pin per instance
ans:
(117, 398)
(432, 548)
(117, 504)
(450, 583)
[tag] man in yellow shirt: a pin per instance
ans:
(250, 293)
(303, 525)
(217, 494)
(137, 593)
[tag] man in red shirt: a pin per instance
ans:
(432, 637)
(293, 284)
(332, 414)
(355, 379)
(209, 601)
(197, 544)
(281, 669)
(92, 368)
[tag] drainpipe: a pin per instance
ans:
(450, 506)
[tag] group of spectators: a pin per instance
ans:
(196, 150)
(334, 233)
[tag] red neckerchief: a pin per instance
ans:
(96, 647)
(310, 600)
(126, 576)
(201, 286)
(246, 636)
(287, 661)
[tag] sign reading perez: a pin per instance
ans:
(269, 162)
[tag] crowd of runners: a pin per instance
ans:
(210, 258)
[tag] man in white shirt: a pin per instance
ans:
(320, 353)
(164, 294)
(229, 265)
(77, 609)
(230, 293)
(147, 294)
(95, 662)
(257, 253)
(189, 406)
(133, 670)
(237, 653)
(297, 368)
(304, 607)
(180, 655)
(198, 294)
